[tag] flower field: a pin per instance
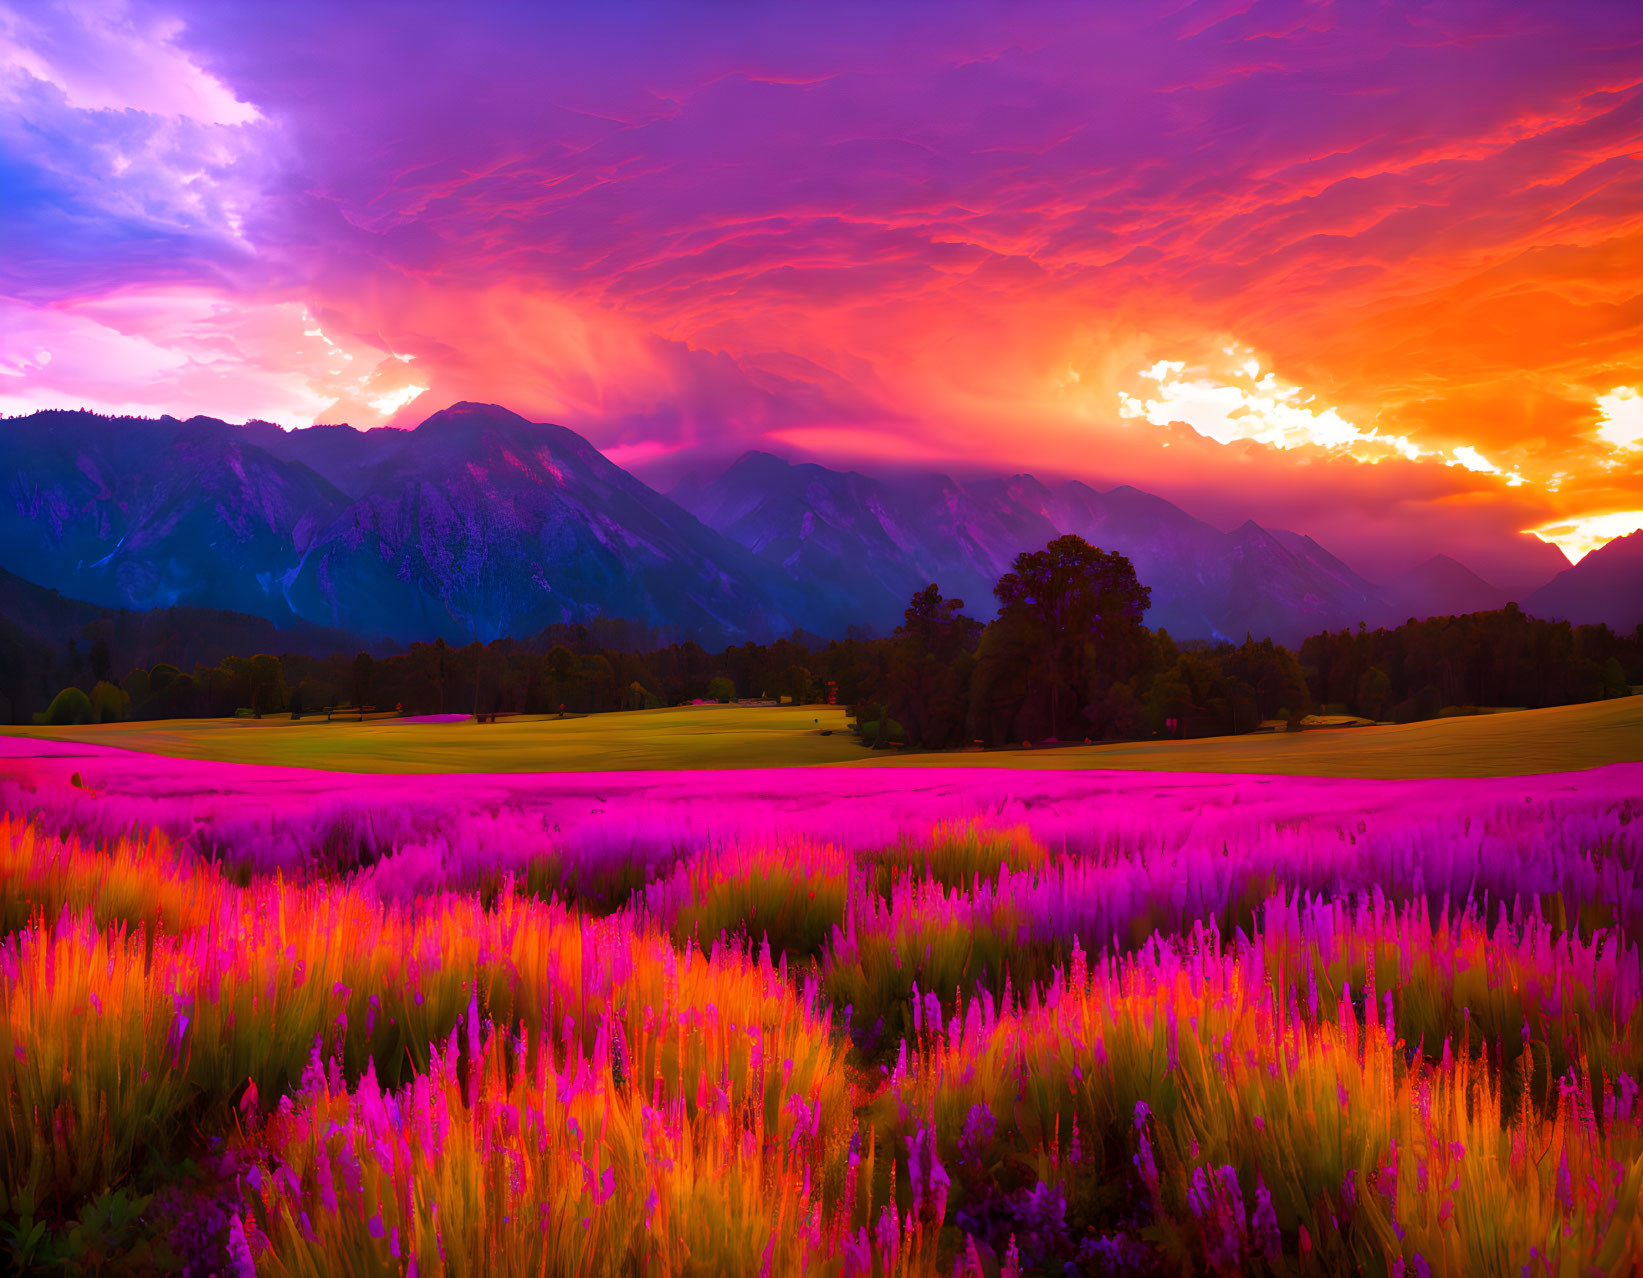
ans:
(829, 1022)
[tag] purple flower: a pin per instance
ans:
(1265, 1223)
(240, 1263)
(927, 1176)
(857, 1255)
(979, 1126)
(888, 1234)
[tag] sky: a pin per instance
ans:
(1371, 271)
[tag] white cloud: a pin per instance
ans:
(1240, 402)
(1622, 413)
(180, 352)
(1237, 401)
(109, 57)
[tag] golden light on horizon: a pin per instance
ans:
(1241, 401)
(1577, 538)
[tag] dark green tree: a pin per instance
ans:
(109, 702)
(102, 661)
(1073, 604)
(1374, 691)
(931, 658)
(364, 672)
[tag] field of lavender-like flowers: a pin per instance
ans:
(858, 1022)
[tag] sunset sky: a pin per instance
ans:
(1370, 271)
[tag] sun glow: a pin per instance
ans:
(395, 400)
(1241, 402)
(1622, 412)
(1577, 538)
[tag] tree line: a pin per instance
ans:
(1066, 658)
(1501, 658)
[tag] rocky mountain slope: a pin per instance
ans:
(885, 538)
(479, 523)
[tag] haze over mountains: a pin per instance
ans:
(479, 524)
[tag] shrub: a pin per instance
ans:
(110, 703)
(70, 706)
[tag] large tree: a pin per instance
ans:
(1072, 602)
(928, 680)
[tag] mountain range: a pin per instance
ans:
(479, 523)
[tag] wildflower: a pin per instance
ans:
(1265, 1223)
(888, 1233)
(857, 1255)
(979, 1126)
(240, 1263)
(1144, 1162)
(1229, 1210)
(927, 1176)
(1198, 1195)
(1012, 1261)
(174, 1039)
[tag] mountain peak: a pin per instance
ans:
(466, 411)
(757, 458)
(1441, 586)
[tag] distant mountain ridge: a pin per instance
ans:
(476, 524)
(1606, 586)
(839, 531)
(1440, 577)
(479, 523)
(184, 636)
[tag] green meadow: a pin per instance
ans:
(1558, 739)
(1511, 743)
(709, 736)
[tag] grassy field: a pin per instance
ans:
(1558, 739)
(679, 737)
(1527, 741)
